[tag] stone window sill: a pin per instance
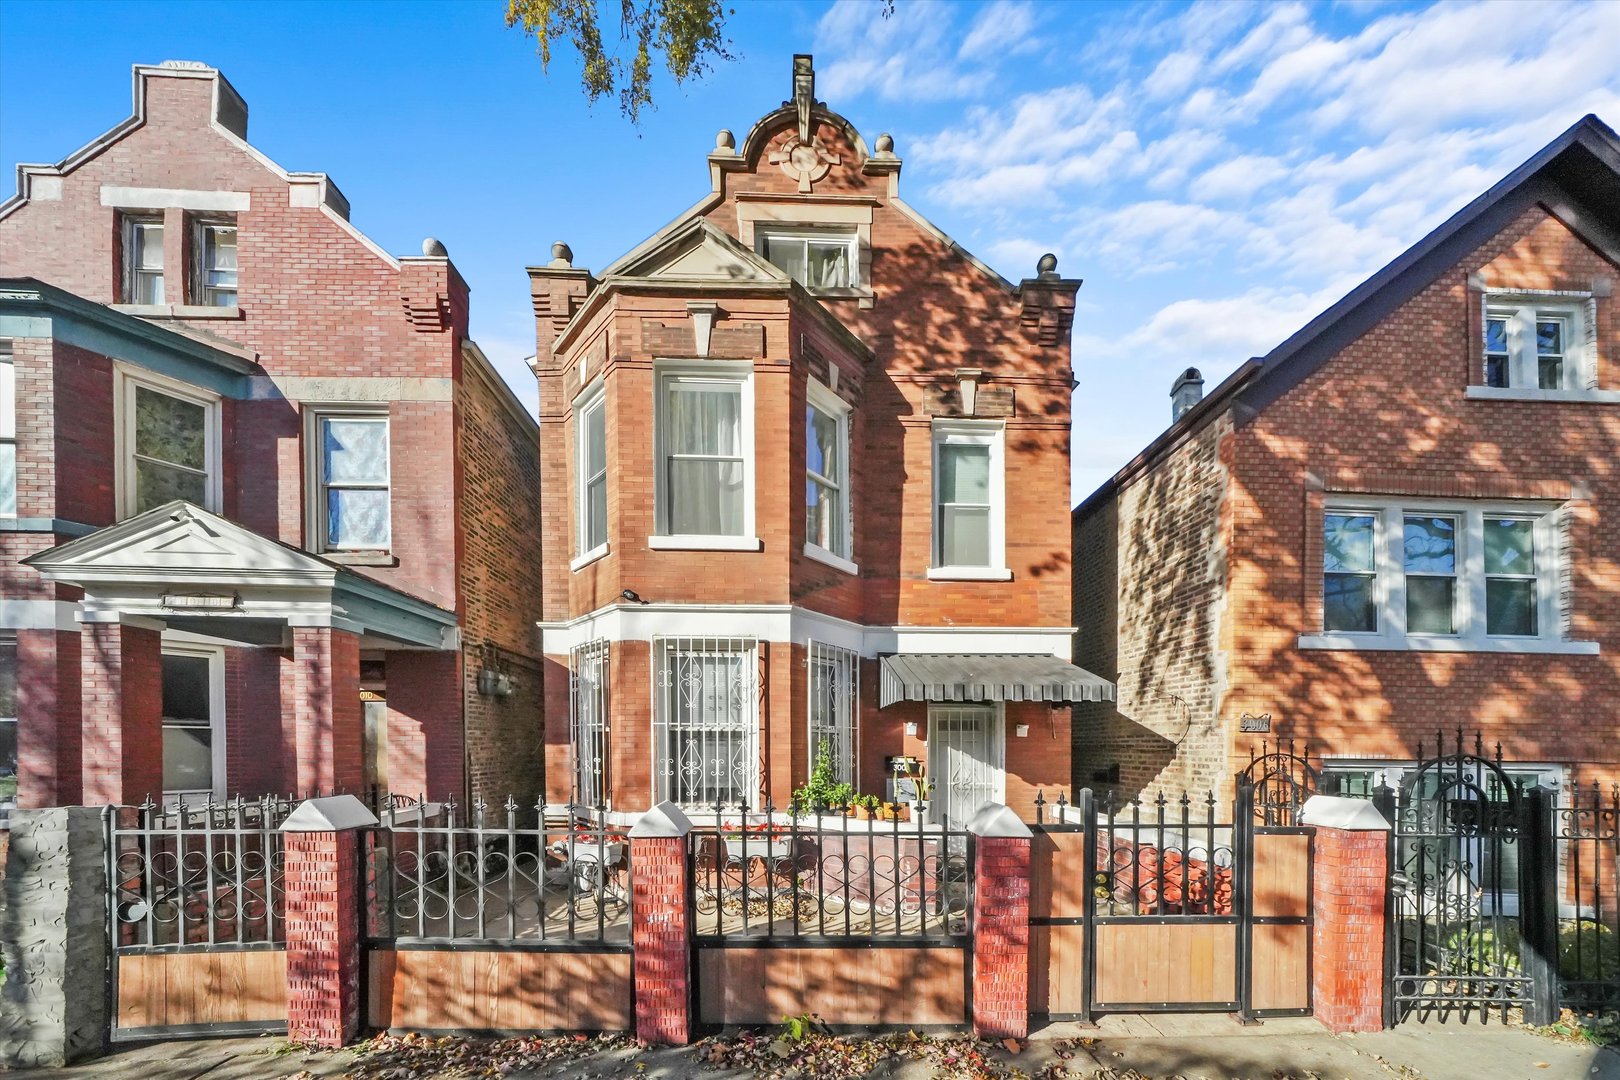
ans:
(361, 558)
(580, 562)
(838, 562)
(705, 543)
(969, 573)
(179, 311)
(1521, 393)
(1355, 643)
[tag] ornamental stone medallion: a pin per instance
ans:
(806, 162)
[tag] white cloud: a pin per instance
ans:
(1004, 28)
(1237, 177)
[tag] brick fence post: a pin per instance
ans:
(661, 927)
(1000, 923)
(321, 894)
(1351, 875)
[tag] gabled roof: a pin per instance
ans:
(697, 250)
(1576, 177)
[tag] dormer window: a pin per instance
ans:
(817, 260)
(1533, 346)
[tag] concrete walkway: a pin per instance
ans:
(1194, 1047)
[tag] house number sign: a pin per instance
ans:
(1255, 725)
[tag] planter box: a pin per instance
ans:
(771, 848)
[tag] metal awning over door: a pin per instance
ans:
(987, 677)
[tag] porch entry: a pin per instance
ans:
(966, 748)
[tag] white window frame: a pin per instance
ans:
(1522, 309)
(991, 433)
(823, 400)
(215, 655)
(131, 222)
(744, 707)
(8, 423)
(740, 373)
(1389, 588)
(315, 517)
(126, 380)
(842, 687)
(201, 292)
(848, 238)
(593, 398)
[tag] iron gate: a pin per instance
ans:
(1462, 872)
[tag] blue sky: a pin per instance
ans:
(1216, 172)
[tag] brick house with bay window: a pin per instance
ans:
(266, 511)
(1404, 519)
(804, 475)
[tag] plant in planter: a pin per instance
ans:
(867, 807)
(823, 791)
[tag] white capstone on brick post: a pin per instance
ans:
(321, 893)
(1000, 923)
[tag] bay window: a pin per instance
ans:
(969, 501)
(706, 722)
(351, 481)
(1441, 574)
(170, 436)
(826, 480)
(704, 442)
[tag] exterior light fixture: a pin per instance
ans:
(911, 728)
(1021, 731)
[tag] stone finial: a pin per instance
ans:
(435, 247)
(804, 91)
(885, 143)
(725, 142)
(1046, 266)
(562, 255)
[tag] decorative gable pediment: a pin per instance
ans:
(699, 251)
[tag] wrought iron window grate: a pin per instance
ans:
(706, 720)
(834, 679)
(588, 721)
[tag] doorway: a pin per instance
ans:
(965, 748)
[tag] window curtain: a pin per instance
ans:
(706, 474)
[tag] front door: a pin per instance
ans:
(964, 761)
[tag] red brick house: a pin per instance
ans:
(1403, 519)
(266, 512)
(804, 465)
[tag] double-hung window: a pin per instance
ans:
(826, 477)
(590, 416)
(170, 434)
(817, 260)
(1441, 575)
(351, 481)
(834, 690)
(705, 448)
(1537, 346)
(8, 432)
(706, 722)
(214, 277)
(193, 735)
(969, 501)
(143, 259)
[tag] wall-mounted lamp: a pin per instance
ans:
(911, 728)
(1021, 731)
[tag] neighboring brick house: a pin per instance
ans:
(804, 478)
(267, 514)
(1404, 519)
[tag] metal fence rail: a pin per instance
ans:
(797, 877)
(1588, 836)
(436, 873)
(196, 874)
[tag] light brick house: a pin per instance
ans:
(1404, 519)
(804, 477)
(267, 515)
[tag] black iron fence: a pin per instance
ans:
(1282, 777)
(1587, 834)
(439, 873)
(201, 873)
(825, 876)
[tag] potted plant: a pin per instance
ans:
(866, 807)
(823, 792)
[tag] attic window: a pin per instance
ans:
(1536, 346)
(816, 260)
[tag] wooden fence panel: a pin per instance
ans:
(1151, 963)
(1057, 968)
(1281, 972)
(859, 986)
(188, 988)
(498, 990)
(1059, 878)
(1282, 873)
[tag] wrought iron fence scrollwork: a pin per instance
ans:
(197, 873)
(820, 875)
(1588, 833)
(438, 872)
(1283, 778)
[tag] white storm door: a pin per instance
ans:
(964, 761)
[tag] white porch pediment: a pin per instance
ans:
(179, 561)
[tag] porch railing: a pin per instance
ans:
(826, 876)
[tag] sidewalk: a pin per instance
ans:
(1190, 1046)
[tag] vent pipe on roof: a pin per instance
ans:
(1185, 392)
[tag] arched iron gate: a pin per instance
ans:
(1282, 779)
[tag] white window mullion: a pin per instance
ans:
(1471, 615)
(8, 434)
(1391, 573)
